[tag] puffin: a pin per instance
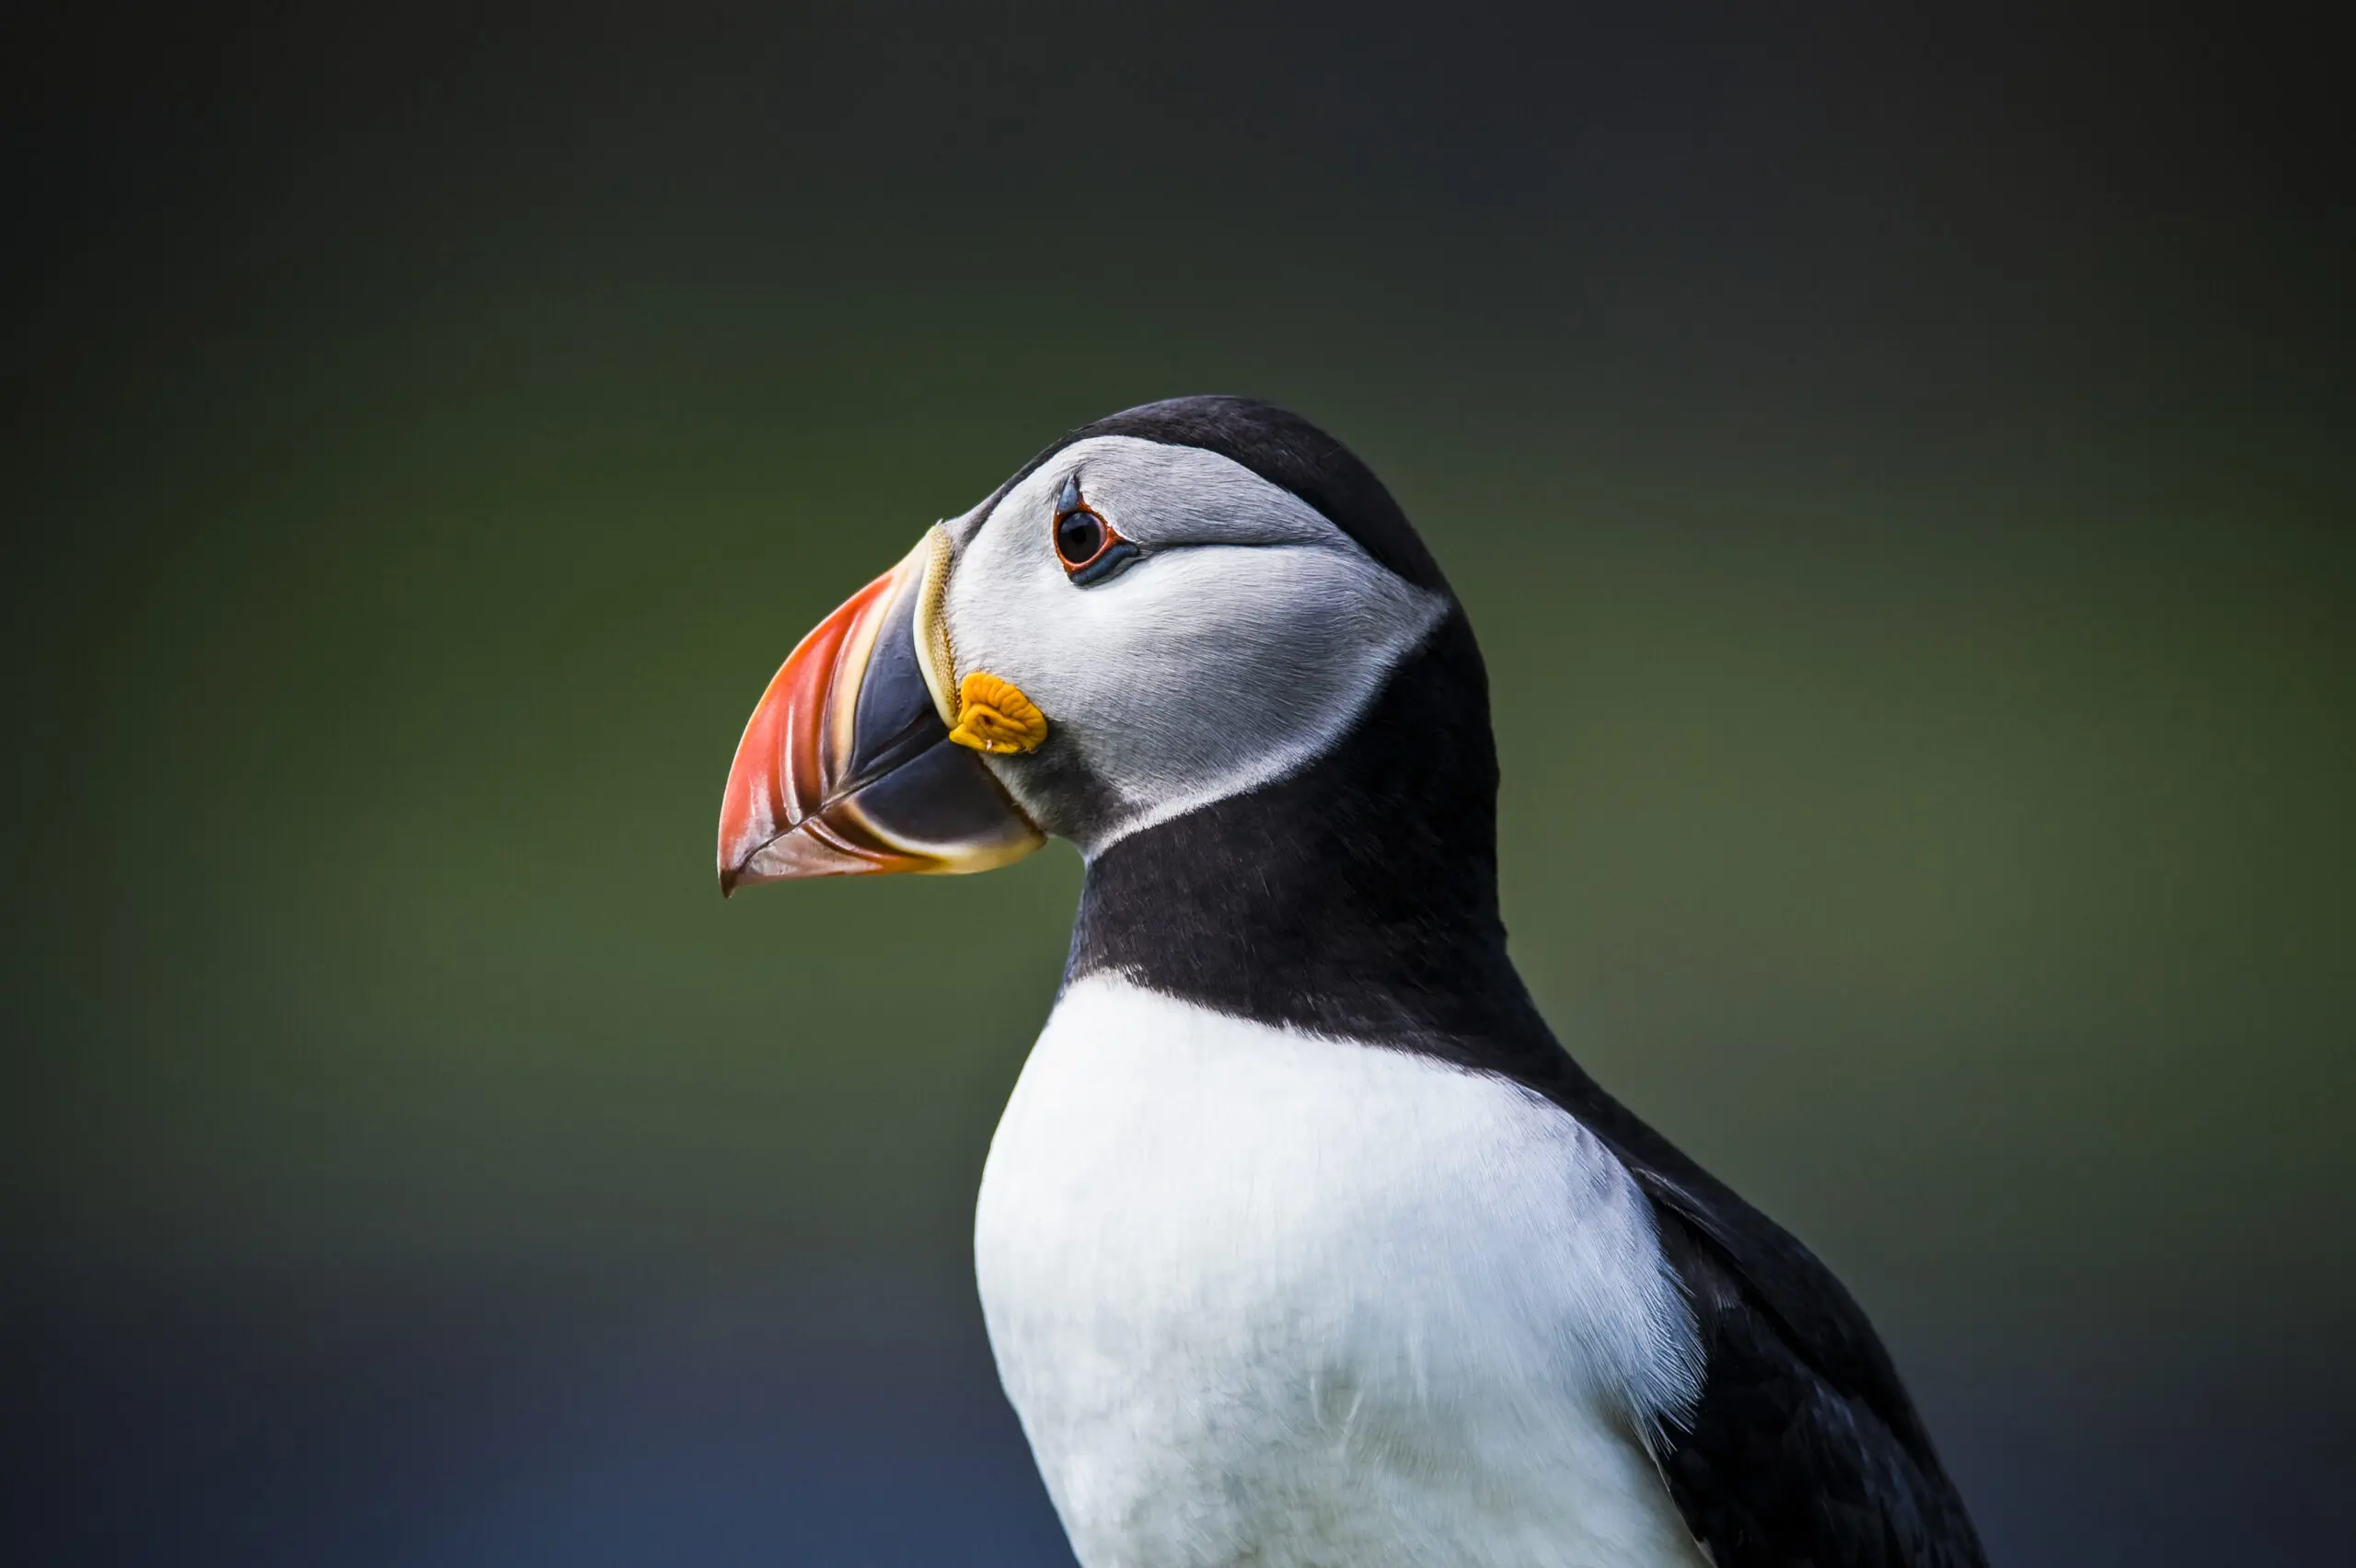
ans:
(1302, 1242)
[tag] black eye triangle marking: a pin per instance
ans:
(1070, 500)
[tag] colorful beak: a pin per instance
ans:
(846, 767)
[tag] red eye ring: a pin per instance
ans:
(1090, 548)
(1081, 537)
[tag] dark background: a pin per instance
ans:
(1897, 469)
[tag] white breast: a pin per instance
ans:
(1269, 1299)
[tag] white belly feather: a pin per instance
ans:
(1266, 1298)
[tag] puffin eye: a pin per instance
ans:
(1081, 537)
(1087, 547)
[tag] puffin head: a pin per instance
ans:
(1171, 607)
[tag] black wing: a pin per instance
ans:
(1779, 1465)
(1804, 1450)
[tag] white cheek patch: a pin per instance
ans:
(1241, 646)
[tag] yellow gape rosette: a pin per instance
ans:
(994, 716)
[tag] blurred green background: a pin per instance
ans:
(1897, 469)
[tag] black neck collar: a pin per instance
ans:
(1357, 897)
